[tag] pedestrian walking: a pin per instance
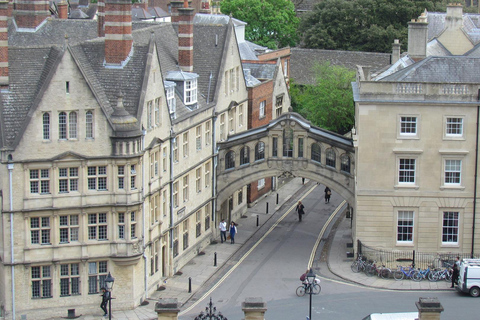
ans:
(233, 232)
(223, 230)
(456, 272)
(105, 297)
(328, 193)
(300, 209)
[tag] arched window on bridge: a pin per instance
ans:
(288, 143)
(245, 155)
(330, 155)
(230, 160)
(345, 163)
(316, 152)
(260, 151)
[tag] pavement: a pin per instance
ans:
(334, 264)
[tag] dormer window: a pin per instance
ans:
(170, 93)
(186, 86)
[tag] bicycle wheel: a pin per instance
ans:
(431, 276)
(417, 276)
(316, 289)
(301, 291)
(355, 267)
(370, 270)
(385, 273)
(398, 275)
(448, 276)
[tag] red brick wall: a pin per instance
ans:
(63, 10)
(185, 38)
(254, 193)
(101, 18)
(30, 14)
(117, 50)
(4, 11)
(263, 91)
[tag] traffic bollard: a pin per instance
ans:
(277, 198)
(257, 219)
(189, 284)
(215, 259)
(266, 211)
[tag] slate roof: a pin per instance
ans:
(260, 70)
(33, 58)
(453, 69)
(303, 60)
(471, 25)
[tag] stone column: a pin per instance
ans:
(167, 309)
(254, 309)
(429, 308)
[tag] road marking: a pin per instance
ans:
(320, 235)
(246, 254)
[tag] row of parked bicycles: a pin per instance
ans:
(371, 268)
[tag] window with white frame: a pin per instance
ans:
(279, 106)
(40, 181)
(156, 111)
(154, 164)
(97, 177)
(245, 155)
(208, 165)
(69, 279)
(121, 225)
(41, 282)
(207, 216)
(198, 180)
(97, 273)
(62, 125)
(175, 242)
(46, 126)
(164, 203)
(408, 125)
(149, 114)
(231, 119)
(185, 144)
(450, 231)
(67, 180)
(175, 194)
(68, 228)
(453, 172)
(133, 177)
(261, 113)
(190, 91)
(97, 226)
(260, 151)
(133, 225)
(207, 132)
(67, 128)
(121, 177)
(330, 157)
(185, 234)
(164, 159)
(155, 208)
(240, 197)
(72, 125)
(454, 127)
(171, 101)
(406, 171)
(155, 248)
(185, 188)
(175, 150)
(198, 138)
(89, 124)
(40, 230)
(198, 225)
(261, 184)
(405, 226)
(240, 115)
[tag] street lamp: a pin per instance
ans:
(311, 282)
(109, 280)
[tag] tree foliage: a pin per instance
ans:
(329, 103)
(270, 23)
(362, 25)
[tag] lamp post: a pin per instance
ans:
(311, 282)
(109, 280)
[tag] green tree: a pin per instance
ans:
(270, 23)
(329, 103)
(362, 25)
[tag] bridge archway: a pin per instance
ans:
(291, 146)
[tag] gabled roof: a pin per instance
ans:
(302, 61)
(453, 69)
(471, 25)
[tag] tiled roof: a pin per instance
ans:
(260, 70)
(453, 69)
(302, 61)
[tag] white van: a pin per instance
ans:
(469, 277)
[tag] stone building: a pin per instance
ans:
(108, 131)
(416, 145)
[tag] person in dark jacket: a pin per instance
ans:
(105, 298)
(456, 272)
(300, 210)
(328, 192)
(233, 232)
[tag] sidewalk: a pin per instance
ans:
(201, 268)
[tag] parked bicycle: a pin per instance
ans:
(359, 264)
(306, 287)
(442, 274)
(419, 275)
(404, 273)
(372, 269)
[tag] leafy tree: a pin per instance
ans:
(270, 23)
(329, 103)
(362, 25)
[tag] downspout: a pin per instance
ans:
(214, 169)
(475, 183)
(12, 259)
(145, 259)
(172, 139)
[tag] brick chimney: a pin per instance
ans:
(118, 31)
(185, 37)
(31, 14)
(174, 6)
(417, 38)
(101, 18)
(4, 10)
(62, 10)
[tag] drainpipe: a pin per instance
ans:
(475, 185)
(172, 139)
(12, 259)
(214, 169)
(145, 260)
